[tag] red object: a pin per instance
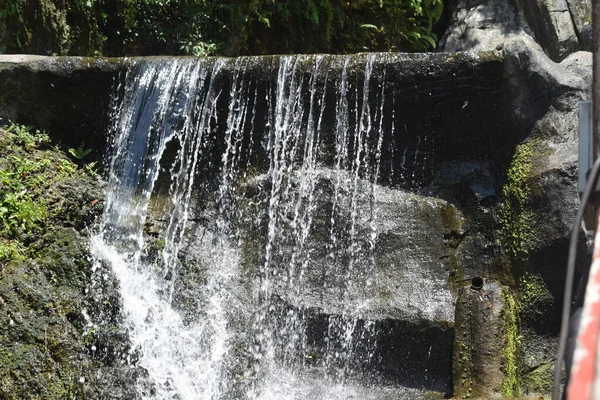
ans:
(582, 385)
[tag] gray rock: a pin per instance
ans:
(552, 26)
(581, 13)
(480, 25)
(561, 27)
(537, 81)
(457, 181)
(41, 91)
(580, 63)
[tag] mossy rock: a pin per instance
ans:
(49, 347)
(539, 381)
(39, 343)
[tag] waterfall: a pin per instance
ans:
(218, 310)
(163, 103)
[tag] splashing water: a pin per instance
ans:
(164, 105)
(167, 126)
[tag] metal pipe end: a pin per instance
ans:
(477, 282)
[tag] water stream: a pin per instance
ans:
(218, 310)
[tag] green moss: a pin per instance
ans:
(38, 345)
(540, 380)
(452, 221)
(433, 396)
(511, 387)
(533, 291)
(514, 214)
(490, 56)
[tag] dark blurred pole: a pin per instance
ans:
(596, 82)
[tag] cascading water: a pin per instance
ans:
(203, 323)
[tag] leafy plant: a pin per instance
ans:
(232, 28)
(10, 250)
(19, 211)
(91, 168)
(27, 136)
(10, 8)
(25, 174)
(80, 152)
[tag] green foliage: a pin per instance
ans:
(214, 27)
(400, 24)
(20, 212)
(25, 174)
(69, 27)
(91, 169)
(10, 8)
(10, 250)
(80, 152)
(27, 136)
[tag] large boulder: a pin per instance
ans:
(540, 197)
(538, 190)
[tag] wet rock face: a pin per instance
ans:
(68, 96)
(457, 119)
(391, 277)
(400, 243)
(41, 91)
(401, 271)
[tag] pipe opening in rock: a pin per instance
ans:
(477, 282)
